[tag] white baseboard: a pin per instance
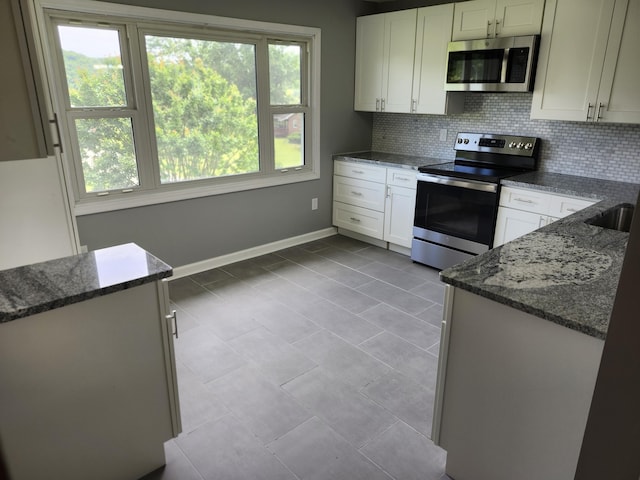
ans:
(204, 265)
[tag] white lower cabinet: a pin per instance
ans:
(375, 201)
(523, 210)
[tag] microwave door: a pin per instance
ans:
(473, 69)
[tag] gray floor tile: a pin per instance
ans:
(345, 324)
(433, 291)
(285, 323)
(225, 450)
(432, 315)
(178, 466)
(248, 271)
(423, 271)
(394, 276)
(343, 257)
(341, 360)
(289, 294)
(405, 326)
(275, 358)
(297, 274)
(349, 413)
(345, 243)
(396, 297)
(229, 319)
(210, 276)
(408, 359)
(198, 404)
(313, 451)
(185, 320)
(265, 409)
(386, 257)
(406, 454)
(208, 357)
(343, 296)
(190, 296)
(410, 402)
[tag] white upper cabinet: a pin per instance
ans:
(433, 33)
(385, 48)
(589, 63)
(492, 18)
(401, 62)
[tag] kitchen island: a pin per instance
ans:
(523, 333)
(87, 366)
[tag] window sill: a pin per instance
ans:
(145, 198)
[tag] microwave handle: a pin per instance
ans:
(505, 63)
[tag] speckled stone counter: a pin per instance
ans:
(390, 159)
(39, 287)
(566, 272)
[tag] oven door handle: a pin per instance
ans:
(456, 182)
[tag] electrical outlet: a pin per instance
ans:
(314, 204)
(443, 134)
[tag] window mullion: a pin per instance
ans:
(265, 115)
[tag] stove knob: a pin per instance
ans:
(466, 140)
(528, 146)
(459, 140)
(520, 146)
(512, 145)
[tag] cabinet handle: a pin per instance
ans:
(354, 219)
(382, 105)
(542, 222)
(572, 210)
(496, 29)
(489, 28)
(388, 191)
(589, 107)
(357, 194)
(414, 106)
(523, 200)
(55, 122)
(403, 179)
(174, 315)
(377, 104)
(599, 115)
(357, 172)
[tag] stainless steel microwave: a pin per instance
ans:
(505, 64)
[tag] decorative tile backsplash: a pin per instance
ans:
(599, 150)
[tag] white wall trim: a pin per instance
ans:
(204, 265)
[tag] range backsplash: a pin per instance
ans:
(607, 151)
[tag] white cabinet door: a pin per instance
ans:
(399, 213)
(574, 42)
(369, 59)
(474, 19)
(433, 33)
(359, 220)
(400, 38)
(511, 224)
(518, 17)
(619, 94)
(490, 18)
(385, 46)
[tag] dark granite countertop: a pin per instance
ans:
(43, 286)
(566, 272)
(390, 159)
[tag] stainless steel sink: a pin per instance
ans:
(616, 218)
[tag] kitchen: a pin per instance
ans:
(285, 210)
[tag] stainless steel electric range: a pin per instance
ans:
(457, 202)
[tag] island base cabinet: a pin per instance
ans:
(89, 389)
(514, 392)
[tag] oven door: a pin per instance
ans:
(456, 213)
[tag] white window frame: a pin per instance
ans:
(90, 204)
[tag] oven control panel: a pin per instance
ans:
(494, 143)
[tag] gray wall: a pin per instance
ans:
(192, 230)
(599, 150)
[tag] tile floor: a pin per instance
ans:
(314, 362)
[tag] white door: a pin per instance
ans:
(572, 53)
(619, 99)
(369, 62)
(399, 213)
(473, 20)
(400, 38)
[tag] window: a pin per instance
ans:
(157, 110)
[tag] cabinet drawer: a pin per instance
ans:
(563, 206)
(360, 220)
(361, 193)
(402, 177)
(527, 200)
(358, 170)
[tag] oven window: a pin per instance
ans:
(457, 212)
(478, 66)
